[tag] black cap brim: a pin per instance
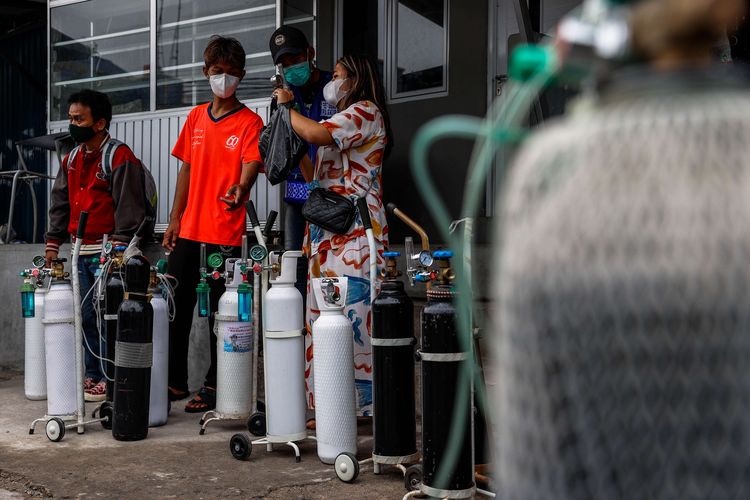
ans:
(284, 51)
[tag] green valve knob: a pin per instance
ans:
(161, 266)
(528, 61)
(215, 260)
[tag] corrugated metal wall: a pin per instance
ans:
(22, 100)
(152, 136)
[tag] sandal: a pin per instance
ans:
(205, 400)
(177, 395)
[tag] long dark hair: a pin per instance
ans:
(366, 85)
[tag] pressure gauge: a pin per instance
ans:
(39, 261)
(258, 253)
(425, 258)
(215, 260)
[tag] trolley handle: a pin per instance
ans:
(269, 223)
(251, 213)
(364, 212)
(82, 220)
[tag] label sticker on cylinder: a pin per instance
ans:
(238, 337)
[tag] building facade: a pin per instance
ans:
(437, 57)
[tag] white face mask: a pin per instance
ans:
(332, 92)
(223, 85)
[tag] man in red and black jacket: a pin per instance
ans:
(114, 200)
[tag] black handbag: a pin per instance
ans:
(331, 211)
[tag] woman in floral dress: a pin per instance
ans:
(353, 143)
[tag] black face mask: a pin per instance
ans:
(81, 134)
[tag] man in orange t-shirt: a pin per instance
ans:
(218, 147)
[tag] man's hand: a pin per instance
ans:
(49, 256)
(235, 196)
(283, 96)
(171, 235)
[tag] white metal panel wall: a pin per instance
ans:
(152, 136)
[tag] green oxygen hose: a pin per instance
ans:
(499, 127)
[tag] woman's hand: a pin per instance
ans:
(283, 96)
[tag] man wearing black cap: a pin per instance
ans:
(290, 48)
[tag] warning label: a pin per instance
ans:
(238, 337)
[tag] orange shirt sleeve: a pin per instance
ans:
(250, 151)
(183, 147)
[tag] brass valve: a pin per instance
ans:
(58, 269)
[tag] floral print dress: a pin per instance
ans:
(349, 167)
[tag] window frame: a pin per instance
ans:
(389, 35)
(152, 36)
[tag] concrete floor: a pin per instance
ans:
(173, 462)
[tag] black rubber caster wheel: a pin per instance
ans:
(256, 424)
(413, 477)
(347, 467)
(202, 431)
(105, 412)
(240, 447)
(55, 429)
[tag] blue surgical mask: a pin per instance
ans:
(298, 74)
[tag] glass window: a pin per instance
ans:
(101, 45)
(301, 15)
(419, 43)
(184, 29)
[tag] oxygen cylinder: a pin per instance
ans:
(333, 352)
(442, 360)
(234, 358)
(35, 372)
(284, 355)
(133, 354)
(113, 295)
(394, 420)
(60, 344)
(158, 407)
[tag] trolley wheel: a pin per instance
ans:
(169, 407)
(105, 412)
(256, 424)
(413, 477)
(347, 467)
(55, 429)
(240, 447)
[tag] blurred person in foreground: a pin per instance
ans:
(622, 328)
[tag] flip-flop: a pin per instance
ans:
(205, 400)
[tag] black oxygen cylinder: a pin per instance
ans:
(113, 295)
(133, 354)
(440, 385)
(394, 419)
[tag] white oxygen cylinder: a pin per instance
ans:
(284, 355)
(35, 370)
(333, 358)
(159, 401)
(234, 352)
(60, 349)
